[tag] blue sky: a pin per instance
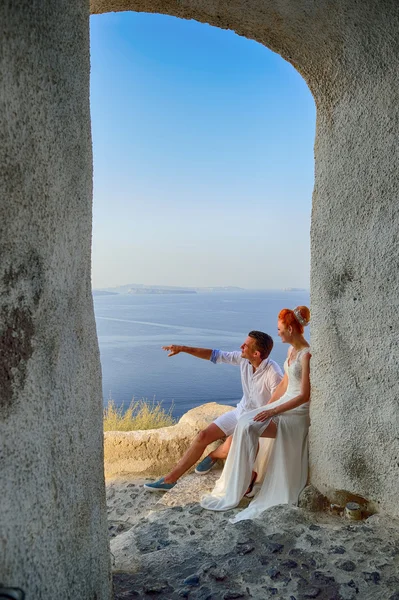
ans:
(203, 157)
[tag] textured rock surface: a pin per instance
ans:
(190, 488)
(156, 451)
(169, 550)
(311, 499)
(53, 536)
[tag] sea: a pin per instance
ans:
(133, 328)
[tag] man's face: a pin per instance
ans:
(248, 348)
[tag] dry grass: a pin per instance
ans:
(141, 414)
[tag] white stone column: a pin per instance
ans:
(355, 268)
(53, 537)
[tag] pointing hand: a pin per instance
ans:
(172, 349)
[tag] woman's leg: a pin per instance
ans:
(270, 431)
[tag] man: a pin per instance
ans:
(259, 378)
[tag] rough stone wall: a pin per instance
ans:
(53, 538)
(348, 53)
(355, 260)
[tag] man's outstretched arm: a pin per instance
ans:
(204, 353)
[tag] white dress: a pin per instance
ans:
(282, 462)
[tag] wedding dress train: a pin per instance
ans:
(282, 465)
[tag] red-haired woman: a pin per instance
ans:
(283, 473)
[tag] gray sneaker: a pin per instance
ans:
(205, 465)
(159, 486)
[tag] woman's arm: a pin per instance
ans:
(282, 386)
(280, 389)
(297, 400)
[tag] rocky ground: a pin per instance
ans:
(168, 547)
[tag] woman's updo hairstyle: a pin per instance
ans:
(297, 318)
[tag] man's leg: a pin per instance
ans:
(222, 451)
(201, 441)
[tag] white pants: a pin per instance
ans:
(228, 422)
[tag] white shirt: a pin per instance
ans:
(257, 386)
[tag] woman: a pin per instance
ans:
(285, 422)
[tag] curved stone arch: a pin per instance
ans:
(52, 517)
(292, 30)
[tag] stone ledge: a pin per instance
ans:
(153, 452)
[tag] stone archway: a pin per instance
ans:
(52, 518)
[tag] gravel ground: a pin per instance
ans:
(164, 549)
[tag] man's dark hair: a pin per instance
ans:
(264, 343)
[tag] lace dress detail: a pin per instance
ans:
(282, 463)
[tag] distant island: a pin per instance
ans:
(140, 289)
(156, 290)
(103, 293)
